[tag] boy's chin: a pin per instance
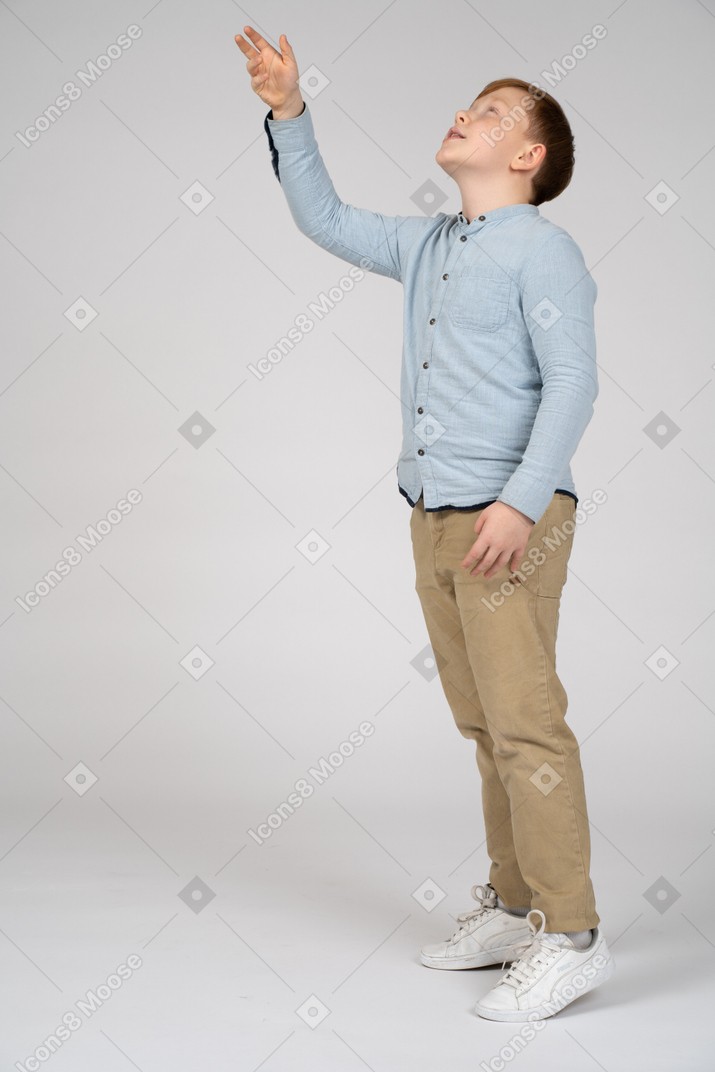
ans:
(447, 165)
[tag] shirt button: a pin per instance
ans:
(463, 238)
(419, 410)
(446, 275)
(425, 365)
(432, 320)
(482, 217)
(420, 452)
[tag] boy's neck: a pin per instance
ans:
(478, 202)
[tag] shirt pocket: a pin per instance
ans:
(479, 299)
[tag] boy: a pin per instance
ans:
(498, 384)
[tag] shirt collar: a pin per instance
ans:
(499, 214)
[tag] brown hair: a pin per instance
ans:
(547, 125)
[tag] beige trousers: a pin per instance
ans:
(494, 646)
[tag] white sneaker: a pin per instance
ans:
(548, 974)
(486, 936)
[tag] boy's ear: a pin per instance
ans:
(529, 158)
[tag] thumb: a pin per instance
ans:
(516, 561)
(286, 50)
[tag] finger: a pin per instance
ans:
(488, 565)
(476, 551)
(257, 70)
(267, 50)
(256, 67)
(246, 47)
(483, 563)
(499, 563)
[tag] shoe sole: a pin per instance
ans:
(474, 960)
(550, 1008)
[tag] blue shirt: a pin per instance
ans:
(498, 372)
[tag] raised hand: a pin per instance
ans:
(274, 75)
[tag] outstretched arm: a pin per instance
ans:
(369, 239)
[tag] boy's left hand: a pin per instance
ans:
(503, 533)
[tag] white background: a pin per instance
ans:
(303, 653)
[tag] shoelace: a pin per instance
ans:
(530, 954)
(487, 899)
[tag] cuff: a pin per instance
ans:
(292, 133)
(523, 494)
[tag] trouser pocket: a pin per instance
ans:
(542, 570)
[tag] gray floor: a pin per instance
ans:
(326, 916)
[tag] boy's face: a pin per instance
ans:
(472, 154)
